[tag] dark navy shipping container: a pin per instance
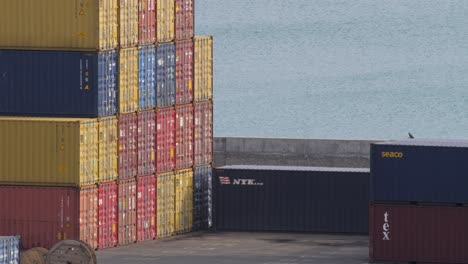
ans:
(165, 75)
(291, 199)
(202, 198)
(419, 171)
(58, 83)
(147, 77)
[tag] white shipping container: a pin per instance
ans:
(9, 249)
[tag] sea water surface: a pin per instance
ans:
(352, 69)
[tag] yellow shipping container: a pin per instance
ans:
(128, 80)
(48, 151)
(108, 148)
(165, 204)
(184, 201)
(58, 24)
(203, 89)
(165, 21)
(128, 23)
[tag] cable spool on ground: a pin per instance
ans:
(71, 252)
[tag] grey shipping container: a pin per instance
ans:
(9, 249)
(58, 83)
(202, 198)
(291, 199)
(165, 75)
(419, 171)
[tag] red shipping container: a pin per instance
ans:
(411, 233)
(107, 215)
(128, 146)
(42, 216)
(203, 148)
(165, 139)
(147, 26)
(184, 136)
(184, 19)
(146, 208)
(127, 211)
(184, 72)
(146, 143)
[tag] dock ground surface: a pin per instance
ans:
(242, 248)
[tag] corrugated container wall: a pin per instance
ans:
(202, 198)
(184, 201)
(55, 83)
(420, 171)
(203, 89)
(184, 19)
(128, 142)
(165, 75)
(165, 204)
(108, 141)
(9, 249)
(146, 208)
(58, 24)
(203, 134)
(147, 26)
(107, 215)
(42, 216)
(184, 136)
(292, 199)
(128, 80)
(41, 151)
(147, 77)
(127, 211)
(184, 72)
(165, 139)
(165, 20)
(410, 234)
(128, 23)
(146, 143)
(89, 215)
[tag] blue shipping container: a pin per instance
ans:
(147, 77)
(165, 75)
(202, 199)
(291, 199)
(417, 171)
(9, 249)
(58, 83)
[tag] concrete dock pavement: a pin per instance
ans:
(243, 248)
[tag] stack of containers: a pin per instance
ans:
(58, 174)
(418, 211)
(100, 127)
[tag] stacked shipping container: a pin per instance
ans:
(109, 154)
(418, 210)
